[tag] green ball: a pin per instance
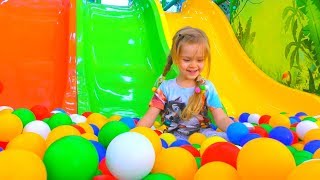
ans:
(25, 115)
(198, 161)
(301, 156)
(71, 157)
(59, 119)
(266, 127)
(292, 149)
(158, 176)
(309, 118)
(197, 146)
(110, 130)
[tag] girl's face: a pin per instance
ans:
(191, 61)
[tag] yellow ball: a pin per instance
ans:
(196, 138)
(151, 135)
(217, 170)
(211, 140)
(10, 127)
(313, 134)
(30, 142)
(168, 138)
(318, 123)
(264, 159)
(307, 170)
(59, 132)
(97, 119)
(279, 120)
(6, 111)
(177, 162)
(21, 164)
(298, 146)
(90, 136)
(87, 128)
(316, 155)
(114, 118)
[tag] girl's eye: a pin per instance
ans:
(186, 60)
(200, 60)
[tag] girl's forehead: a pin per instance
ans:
(192, 50)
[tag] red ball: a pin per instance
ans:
(158, 132)
(3, 144)
(259, 130)
(104, 177)
(103, 167)
(79, 128)
(295, 137)
(192, 150)
(40, 112)
(294, 124)
(221, 151)
(86, 114)
(264, 119)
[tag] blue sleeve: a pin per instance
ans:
(212, 97)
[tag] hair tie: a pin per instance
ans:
(158, 82)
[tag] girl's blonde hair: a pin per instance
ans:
(190, 35)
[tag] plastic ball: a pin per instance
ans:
(236, 131)
(76, 118)
(30, 142)
(95, 129)
(128, 121)
(90, 136)
(21, 164)
(114, 118)
(192, 150)
(196, 138)
(79, 128)
(168, 137)
(71, 157)
(40, 112)
(313, 134)
(248, 137)
(110, 130)
(244, 117)
(130, 156)
(25, 115)
(312, 146)
(103, 167)
(282, 134)
(266, 127)
(10, 127)
(221, 151)
(209, 141)
(298, 146)
(301, 156)
(179, 142)
(87, 127)
(176, 162)
(60, 132)
(316, 154)
(259, 130)
(308, 170)
(59, 119)
(100, 149)
(303, 127)
(300, 114)
(294, 119)
(164, 143)
(254, 118)
(217, 170)
(264, 119)
(279, 120)
(97, 119)
(104, 177)
(158, 176)
(38, 127)
(86, 114)
(258, 160)
(152, 137)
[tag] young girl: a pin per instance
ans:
(184, 101)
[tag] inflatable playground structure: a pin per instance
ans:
(76, 76)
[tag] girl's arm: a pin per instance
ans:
(221, 119)
(149, 118)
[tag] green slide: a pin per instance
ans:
(121, 51)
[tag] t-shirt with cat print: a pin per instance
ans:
(171, 99)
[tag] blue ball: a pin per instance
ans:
(294, 119)
(95, 129)
(128, 121)
(248, 137)
(244, 117)
(61, 110)
(282, 134)
(300, 114)
(179, 142)
(236, 131)
(312, 146)
(164, 143)
(214, 127)
(1, 149)
(100, 149)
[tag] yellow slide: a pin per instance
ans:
(242, 86)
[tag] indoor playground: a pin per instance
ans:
(76, 76)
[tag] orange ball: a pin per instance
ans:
(279, 120)
(217, 170)
(307, 170)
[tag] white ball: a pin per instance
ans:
(254, 118)
(130, 155)
(304, 126)
(248, 125)
(38, 127)
(77, 118)
(5, 107)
